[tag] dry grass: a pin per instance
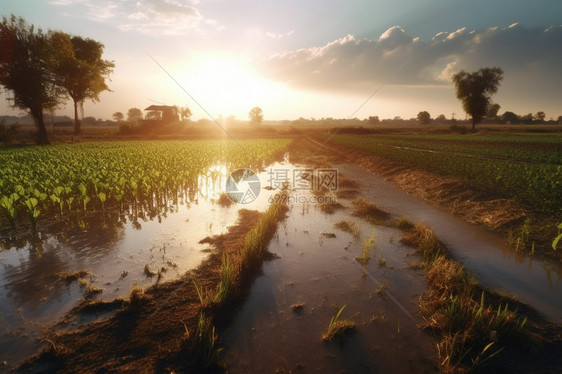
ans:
(349, 227)
(74, 276)
(472, 331)
(369, 212)
(347, 193)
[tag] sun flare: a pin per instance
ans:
(227, 84)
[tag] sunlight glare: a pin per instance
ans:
(226, 84)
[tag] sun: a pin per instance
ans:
(226, 84)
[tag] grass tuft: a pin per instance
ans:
(226, 285)
(366, 250)
(349, 227)
(337, 328)
(472, 331)
(370, 212)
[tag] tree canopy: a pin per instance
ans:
(475, 90)
(134, 115)
(80, 69)
(256, 116)
(424, 118)
(43, 69)
(26, 69)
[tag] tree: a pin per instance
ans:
(256, 116)
(527, 118)
(134, 115)
(559, 120)
(540, 116)
(374, 120)
(475, 90)
(185, 113)
(80, 70)
(441, 118)
(424, 118)
(492, 112)
(26, 69)
(510, 117)
(118, 116)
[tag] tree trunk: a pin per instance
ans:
(42, 137)
(77, 129)
(473, 125)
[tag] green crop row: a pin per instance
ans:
(65, 178)
(537, 185)
(542, 149)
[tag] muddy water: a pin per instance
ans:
(534, 281)
(319, 270)
(115, 253)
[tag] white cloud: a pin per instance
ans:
(525, 55)
(157, 17)
(279, 35)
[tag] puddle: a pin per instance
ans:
(315, 269)
(534, 281)
(115, 250)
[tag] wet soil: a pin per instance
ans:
(143, 333)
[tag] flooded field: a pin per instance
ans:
(325, 260)
(316, 274)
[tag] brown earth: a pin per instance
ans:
(144, 335)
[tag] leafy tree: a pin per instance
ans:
(475, 90)
(492, 112)
(559, 120)
(256, 116)
(134, 115)
(26, 69)
(510, 117)
(441, 118)
(80, 70)
(185, 113)
(374, 120)
(118, 116)
(424, 118)
(540, 116)
(527, 118)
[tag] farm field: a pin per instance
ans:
(527, 169)
(137, 238)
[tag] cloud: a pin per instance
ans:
(273, 35)
(168, 17)
(349, 63)
(156, 17)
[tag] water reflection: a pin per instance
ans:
(534, 281)
(114, 243)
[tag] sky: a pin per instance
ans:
(311, 58)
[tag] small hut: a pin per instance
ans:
(168, 114)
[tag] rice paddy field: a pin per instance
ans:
(129, 256)
(526, 168)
